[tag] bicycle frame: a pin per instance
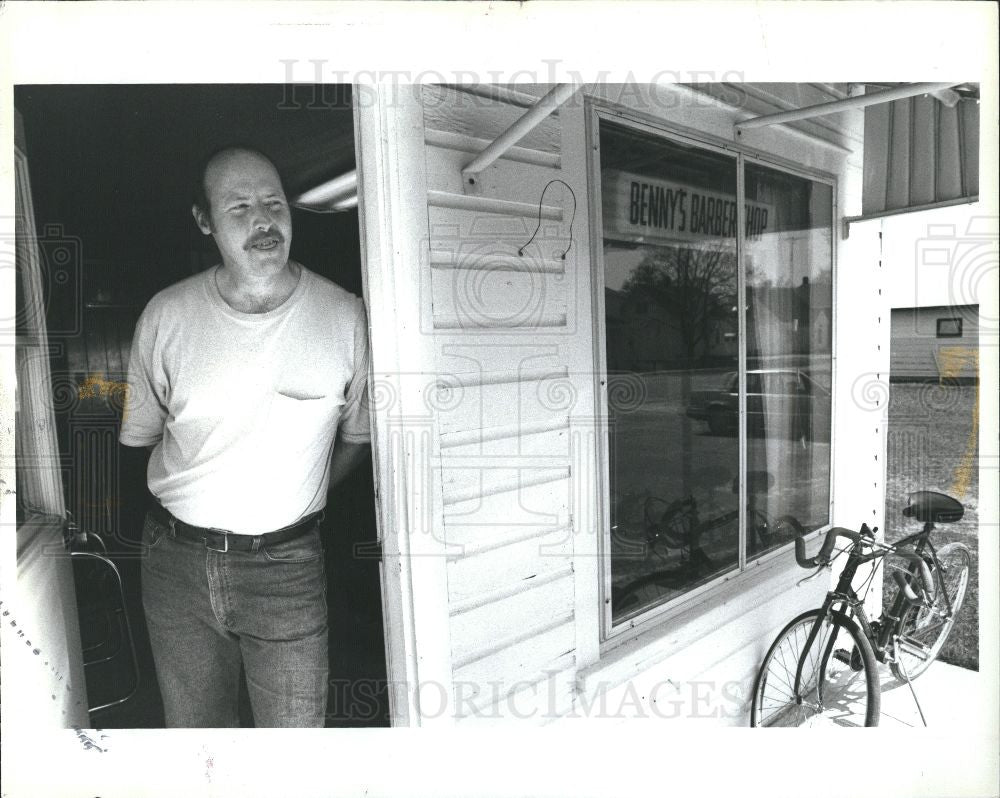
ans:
(851, 605)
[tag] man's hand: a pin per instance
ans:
(346, 457)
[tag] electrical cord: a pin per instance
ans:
(538, 227)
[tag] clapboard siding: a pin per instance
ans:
(465, 483)
(540, 699)
(523, 656)
(482, 629)
(504, 425)
(762, 99)
(707, 669)
(531, 502)
(508, 177)
(489, 300)
(523, 95)
(471, 146)
(544, 696)
(468, 540)
(540, 397)
(547, 438)
(454, 111)
(468, 256)
(524, 437)
(483, 573)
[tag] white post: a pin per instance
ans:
(851, 103)
(392, 188)
(530, 120)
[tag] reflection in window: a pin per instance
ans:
(669, 218)
(789, 353)
(669, 214)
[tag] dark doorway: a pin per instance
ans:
(112, 171)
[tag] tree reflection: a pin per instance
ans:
(694, 291)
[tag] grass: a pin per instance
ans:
(933, 446)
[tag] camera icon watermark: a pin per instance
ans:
(967, 261)
(59, 256)
(499, 276)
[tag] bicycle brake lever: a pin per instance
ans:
(817, 572)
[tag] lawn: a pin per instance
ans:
(933, 445)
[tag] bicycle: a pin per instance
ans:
(822, 667)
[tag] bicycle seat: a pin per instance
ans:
(936, 508)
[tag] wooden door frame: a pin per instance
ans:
(389, 142)
(40, 601)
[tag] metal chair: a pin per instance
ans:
(104, 621)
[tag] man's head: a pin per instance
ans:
(241, 203)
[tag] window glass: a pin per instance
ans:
(789, 260)
(670, 275)
(949, 328)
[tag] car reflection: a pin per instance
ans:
(780, 402)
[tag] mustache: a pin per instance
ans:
(267, 234)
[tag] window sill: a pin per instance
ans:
(628, 655)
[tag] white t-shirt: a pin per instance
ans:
(244, 407)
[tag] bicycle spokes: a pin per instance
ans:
(803, 682)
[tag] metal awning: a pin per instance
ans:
(921, 146)
(921, 153)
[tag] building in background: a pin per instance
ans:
(938, 343)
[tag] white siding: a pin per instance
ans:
(513, 358)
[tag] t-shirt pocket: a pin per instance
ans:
(301, 421)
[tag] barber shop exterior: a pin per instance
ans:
(617, 333)
(632, 319)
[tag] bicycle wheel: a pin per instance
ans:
(831, 691)
(924, 629)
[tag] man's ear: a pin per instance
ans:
(202, 220)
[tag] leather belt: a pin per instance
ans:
(224, 540)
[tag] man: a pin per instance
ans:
(241, 380)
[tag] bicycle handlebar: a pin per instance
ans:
(823, 556)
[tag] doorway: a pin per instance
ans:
(112, 171)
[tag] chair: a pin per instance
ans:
(105, 630)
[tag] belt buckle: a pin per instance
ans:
(225, 536)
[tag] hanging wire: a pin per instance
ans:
(572, 218)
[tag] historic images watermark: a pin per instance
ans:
(318, 83)
(542, 700)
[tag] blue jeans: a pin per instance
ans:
(208, 612)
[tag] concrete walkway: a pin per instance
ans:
(951, 697)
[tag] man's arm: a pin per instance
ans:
(346, 457)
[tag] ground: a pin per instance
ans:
(933, 445)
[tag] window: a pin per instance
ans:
(949, 328)
(788, 272)
(670, 245)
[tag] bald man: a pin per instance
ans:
(248, 384)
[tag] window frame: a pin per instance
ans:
(598, 110)
(953, 319)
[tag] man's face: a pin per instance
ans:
(249, 216)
